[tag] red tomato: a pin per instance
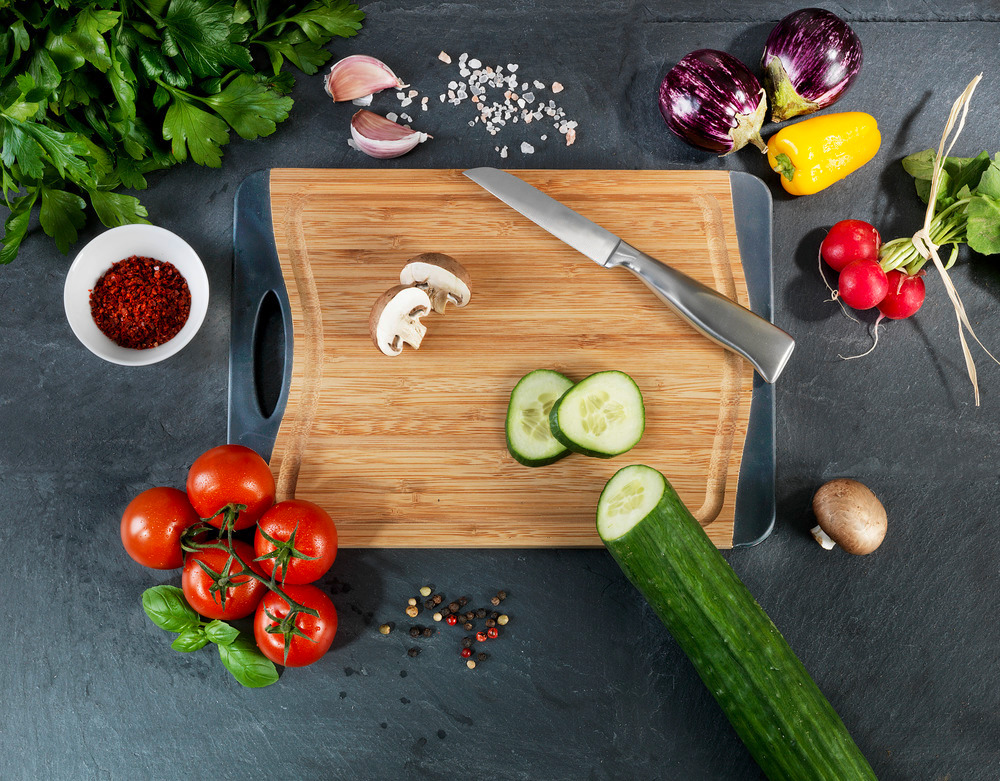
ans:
(850, 240)
(229, 475)
(152, 526)
(319, 631)
(243, 594)
(315, 536)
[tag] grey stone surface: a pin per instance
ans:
(586, 682)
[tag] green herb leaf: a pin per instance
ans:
(250, 107)
(984, 225)
(167, 608)
(20, 149)
(320, 20)
(16, 226)
(200, 31)
(114, 209)
(62, 216)
(221, 633)
(247, 664)
(989, 184)
(190, 640)
(190, 128)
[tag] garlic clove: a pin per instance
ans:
(365, 101)
(360, 76)
(379, 137)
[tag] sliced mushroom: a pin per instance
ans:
(850, 516)
(395, 319)
(443, 277)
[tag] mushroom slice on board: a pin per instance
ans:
(443, 277)
(848, 515)
(395, 319)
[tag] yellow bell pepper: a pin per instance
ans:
(813, 154)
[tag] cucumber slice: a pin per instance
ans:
(529, 439)
(775, 706)
(601, 416)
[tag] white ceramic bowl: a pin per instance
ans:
(117, 244)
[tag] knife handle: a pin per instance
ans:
(721, 319)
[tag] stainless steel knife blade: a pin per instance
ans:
(562, 222)
(722, 320)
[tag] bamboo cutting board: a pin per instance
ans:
(410, 451)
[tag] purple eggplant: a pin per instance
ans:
(810, 59)
(713, 101)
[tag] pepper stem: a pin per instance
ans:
(784, 166)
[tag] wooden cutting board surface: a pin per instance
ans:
(410, 451)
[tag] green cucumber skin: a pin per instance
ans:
(568, 443)
(533, 462)
(774, 705)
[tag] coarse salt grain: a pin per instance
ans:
(443, 56)
(474, 63)
(557, 87)
(527, 148)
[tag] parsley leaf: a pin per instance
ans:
(62, 216)
(200, 31)
(250, 107)
(190, 128)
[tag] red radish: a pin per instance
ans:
(850, 240)
(863, 284)
(905, 296)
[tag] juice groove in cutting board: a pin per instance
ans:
(409, 451)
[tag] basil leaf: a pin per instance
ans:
(247, 664)
(167, 608)
(190, 640)
(983, 230)
(221, 633)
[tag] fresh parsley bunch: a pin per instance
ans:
(94, 95)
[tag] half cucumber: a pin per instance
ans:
(601, 416)
(775, 706)
(529, 439)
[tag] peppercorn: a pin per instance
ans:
(470, 615)
(463, 601)
(425, 591)
(502, 595)
(451, 620)
(481, 637)
(429, 604)
(493, 633)
(495, 615)
(412, 611)
(385, 629)
(470, 664)
(468, 626)
(415, 631)
(466, 642)
(412, 601)
(482, 656)
(438, 599)
(495, 600)
(454, 607)
(503, 619)
(413, 652)
(481, 613)
(490, 623)
(466, 653)
(428, 632)
(437, 616)
(445, 611)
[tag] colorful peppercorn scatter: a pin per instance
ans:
(454, 614)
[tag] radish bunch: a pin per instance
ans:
(852, 249)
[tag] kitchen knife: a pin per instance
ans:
(722, 320)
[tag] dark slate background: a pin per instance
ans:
(586, 682)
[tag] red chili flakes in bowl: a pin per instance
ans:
(140, 302)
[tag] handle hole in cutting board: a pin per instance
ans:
(268, 353)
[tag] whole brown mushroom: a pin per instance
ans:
(848, 515)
